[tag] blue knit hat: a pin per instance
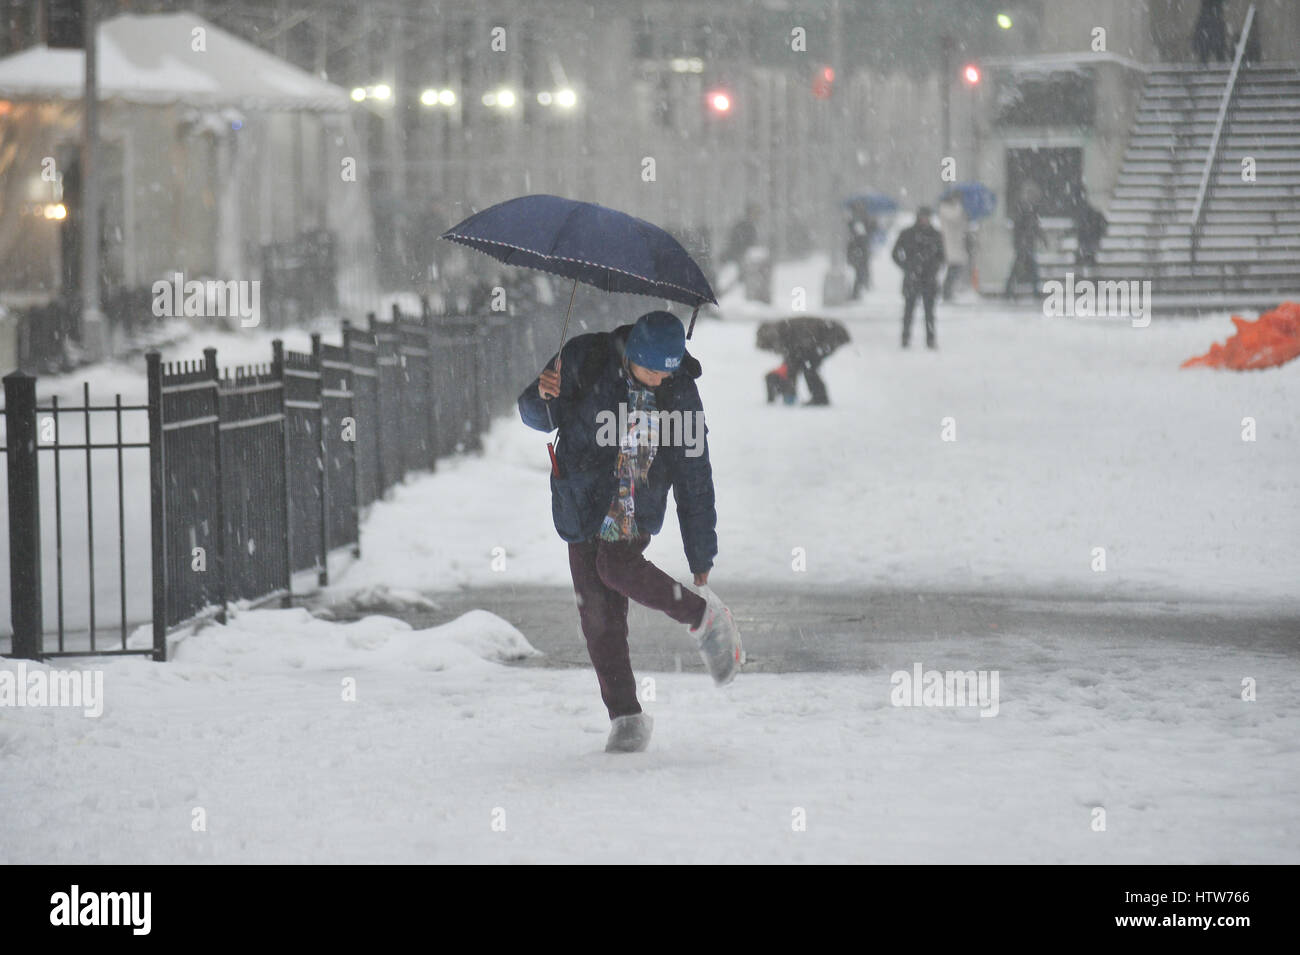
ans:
(657, 342)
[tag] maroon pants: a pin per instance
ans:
(605, 575)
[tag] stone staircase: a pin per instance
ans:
(1249, 248)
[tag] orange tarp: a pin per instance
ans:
(1271, 340)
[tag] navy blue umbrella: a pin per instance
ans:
(601, 247)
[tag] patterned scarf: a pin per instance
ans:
(636, 452)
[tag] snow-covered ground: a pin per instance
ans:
(1070, 434)
(449, 756)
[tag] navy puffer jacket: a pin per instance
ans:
(581, 495)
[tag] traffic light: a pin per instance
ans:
(719, 102)
(824, 82)
(971, 74)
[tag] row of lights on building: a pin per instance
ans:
(719, 100)
(501, 99)
(44, 210)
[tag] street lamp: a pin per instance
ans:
(380, 91)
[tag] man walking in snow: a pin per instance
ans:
(609, 493)
(858, 254)
(1026, 234)
(919, 253)
(743, 236)
(1210, 36)
(1089, 227)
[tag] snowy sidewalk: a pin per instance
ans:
(788, 629)
(249, 723)
(1070, 436)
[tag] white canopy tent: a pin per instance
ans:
(170, 58)
(210, 148)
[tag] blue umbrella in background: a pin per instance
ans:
(600, 247)
(976, 198)
(875, 203)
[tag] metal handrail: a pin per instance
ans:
(1216, 141)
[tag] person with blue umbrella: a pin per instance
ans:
(858, 254)
(630, 427)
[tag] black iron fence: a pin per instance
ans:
(314, 438)
(256, 473)
(77, 455)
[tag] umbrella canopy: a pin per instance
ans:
(976, 198)
(875, 203)
(601, 247)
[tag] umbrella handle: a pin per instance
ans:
(550, 446)
(564, 332)
(692, 328)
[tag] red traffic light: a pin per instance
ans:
(971, 74)
(719, 101)
(823, 82)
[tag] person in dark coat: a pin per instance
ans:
(753, 263)
(743, 236)
(804, 342)
(1089, 226)
(1210, 36)
(919, 253)
(616, 398)
(858, 253)
(1026, 233)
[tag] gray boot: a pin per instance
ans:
(719, 640)
(629, 734)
